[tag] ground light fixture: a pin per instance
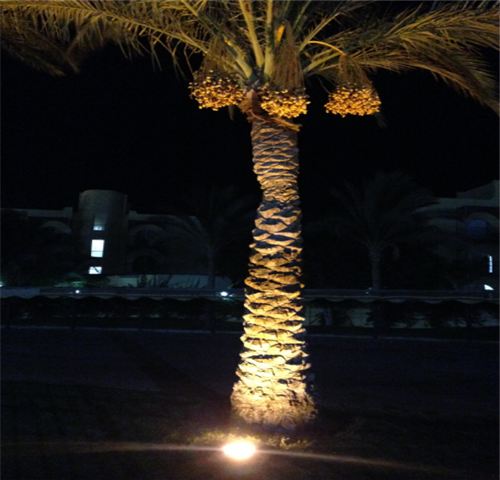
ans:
(239, 450)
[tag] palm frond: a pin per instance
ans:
(136, 27)
(445, 41)
(342, 41)
(246, 9)
(39, 52)
(321, 19)
(382, 212)
(269, 41)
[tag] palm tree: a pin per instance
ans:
(383, 215)
(257, 55)
(211, 222)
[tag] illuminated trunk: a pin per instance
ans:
(274, 389)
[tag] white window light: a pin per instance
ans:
(487, 287)
(490, 264)
(95, 270)
(100, 221)
(97, 248)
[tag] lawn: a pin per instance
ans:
(78, 432)
(59, 423)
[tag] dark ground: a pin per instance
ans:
(96, 404)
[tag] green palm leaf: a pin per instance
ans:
(444, 41)
(341, 41)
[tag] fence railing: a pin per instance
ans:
(359, 312)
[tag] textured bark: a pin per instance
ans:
(274, 389)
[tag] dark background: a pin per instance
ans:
(127, 126)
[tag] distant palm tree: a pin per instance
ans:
(211, 221)
(382, 215)
(257, 54)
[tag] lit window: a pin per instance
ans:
(490, 264)
(100, 221)
(488, 287)
(97, 248)
(95, 270)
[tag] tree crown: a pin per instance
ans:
(247, 45)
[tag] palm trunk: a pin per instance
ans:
(376, 284)
(211, 274)
(375, 270)
(274, 389)
(209, 311)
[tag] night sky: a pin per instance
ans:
(127, 126)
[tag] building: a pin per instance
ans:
(471, 219)
(135, 249)
(126, 247)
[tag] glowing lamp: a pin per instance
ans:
(224, 294)
(239, 450)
